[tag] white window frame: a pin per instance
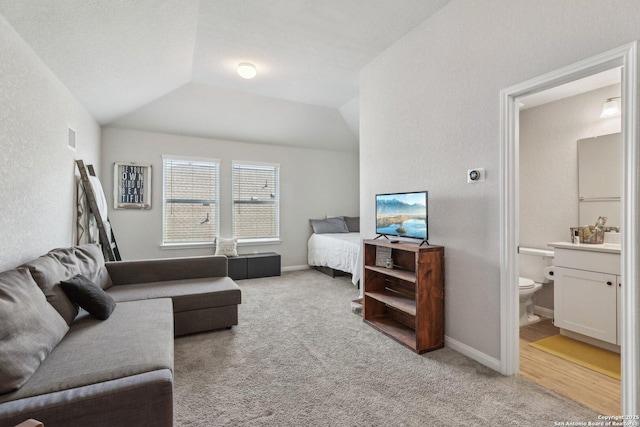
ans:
(261, 240)
(187, 245)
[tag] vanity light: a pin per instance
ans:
(247, 70)
(610, 108)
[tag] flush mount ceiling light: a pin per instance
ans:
(610, 108)
(247, 70)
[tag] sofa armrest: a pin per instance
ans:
(30, 423)
(138, 400)
(156, 270)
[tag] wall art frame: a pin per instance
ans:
(131, 185)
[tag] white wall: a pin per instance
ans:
(430, 111)
(313, 183)
(549, 137)
(37, 169)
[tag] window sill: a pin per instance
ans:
(202, 245)
(258, 242)
(172, 246)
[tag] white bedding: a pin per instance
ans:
(340, 251)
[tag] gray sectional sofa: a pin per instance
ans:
(64, 367)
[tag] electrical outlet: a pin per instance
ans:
(475, 175)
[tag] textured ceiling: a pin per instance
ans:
(114, 55)
(117, 56)
(305, 50)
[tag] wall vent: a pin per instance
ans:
(72, 139)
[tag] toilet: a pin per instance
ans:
(527, 288)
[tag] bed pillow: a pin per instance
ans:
(29, 326)
(329, 225)
(228, 247)
(353, 223)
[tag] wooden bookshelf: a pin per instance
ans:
(406, 302)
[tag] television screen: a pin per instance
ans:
(403, 214)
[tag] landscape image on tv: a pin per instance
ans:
(402, 214)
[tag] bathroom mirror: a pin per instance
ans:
(599, 178)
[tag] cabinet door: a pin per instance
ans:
(585, 302)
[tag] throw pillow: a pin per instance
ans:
(329, 225)
(228, 247)
(89, 296)
(29, 326)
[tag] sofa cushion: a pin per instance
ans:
(136, 338)
(48, 271)
(62, 264)
(29, 328)
(90, 261)
(190, 294)
(157, 270)
(89, 296)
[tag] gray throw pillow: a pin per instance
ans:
(29, 328)
(329, 225)
(89, 296)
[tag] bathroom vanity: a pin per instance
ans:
(587, 290)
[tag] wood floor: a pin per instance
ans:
(590, 388)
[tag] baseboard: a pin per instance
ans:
(295, 268)
(472, 353)
(543, 311)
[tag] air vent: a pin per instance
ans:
(72, 139)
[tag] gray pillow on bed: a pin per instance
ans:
(353, 223)
(329, 225)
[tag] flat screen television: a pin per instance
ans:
(403, 215)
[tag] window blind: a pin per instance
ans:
(190, 200)
(256, 201)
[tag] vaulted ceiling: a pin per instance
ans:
(163, 64)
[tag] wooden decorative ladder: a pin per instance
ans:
(109, 246)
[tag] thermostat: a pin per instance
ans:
(475, 175)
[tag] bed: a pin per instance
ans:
(335, 252)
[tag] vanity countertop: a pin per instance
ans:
(612, 248)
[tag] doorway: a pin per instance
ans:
(625, 57)
(570, 175)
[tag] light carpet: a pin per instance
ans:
(600, 360)
(300, 357)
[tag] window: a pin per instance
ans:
(256, 201)
(190, 200)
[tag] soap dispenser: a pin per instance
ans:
(576, 237)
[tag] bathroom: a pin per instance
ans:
(550, 128)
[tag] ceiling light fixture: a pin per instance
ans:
(247, 70)
(610, 108)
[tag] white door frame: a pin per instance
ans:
(627, 57)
